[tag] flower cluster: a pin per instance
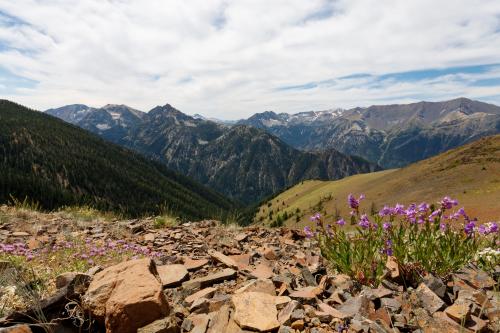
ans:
(17, 249)
(90, 250)
(419, 235)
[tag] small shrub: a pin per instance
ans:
(25, 204)
(3, 218)
(164, 221)
(419, 237)
(87, 213)
(278, 222)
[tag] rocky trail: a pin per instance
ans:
(206, 278)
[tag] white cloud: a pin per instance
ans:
(228, 58)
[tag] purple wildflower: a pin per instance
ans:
(308, 232)
(423, 207)
(353, 202)
(488, 228)
(388, 248)
(341, 222)
(434, 214)
(443, 227)
(448, 203)
(364, 222)
(398, 209)
(387, 226)
(316, 217)
(469, 227)
(385, 211)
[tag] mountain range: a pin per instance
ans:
(389, 135)
(242, 162)
(253, 158)
(45, 160)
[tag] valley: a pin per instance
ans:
(471, 174)
(51, 164)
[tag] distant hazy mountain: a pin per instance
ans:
(111, 121)
(390, 135)
(242, 162)
(56, 164)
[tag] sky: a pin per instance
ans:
(231, 59)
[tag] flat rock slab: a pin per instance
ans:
(260, 285)
(172, 275)
(255, 311)
(458, 312)
(263, 271)
(223, 259)
(204, 293)
(306, 293)
(207, 281)
(194, 265)
(429, 299)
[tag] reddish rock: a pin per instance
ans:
(458, 312)
(263, 271)
(270, 254)
(127, 296)
(220, 321)
(172, 275)
(325, 308)
(306, 293)
(260, 285)
(193, 265)
(284, 316)
(242, 260)
(206, 281)
(392, 267)
(16, 329)
(204, 293)
(255, 311)
(223, 259)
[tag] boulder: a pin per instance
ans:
(127, 296)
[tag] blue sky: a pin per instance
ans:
(230, 59)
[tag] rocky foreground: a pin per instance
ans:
(203, 277)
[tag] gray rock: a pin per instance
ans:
(391, 304)
(429, 300)
(435, 284)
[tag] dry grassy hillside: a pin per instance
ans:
(470, 174)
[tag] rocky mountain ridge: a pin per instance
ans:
(234, 160)
(390, 135)
(53, 164)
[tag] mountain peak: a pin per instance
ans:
(166, 109)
